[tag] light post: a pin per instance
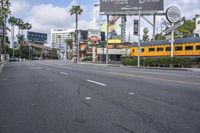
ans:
(139, 40)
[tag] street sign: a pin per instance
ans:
(167, 25)
(173, 28)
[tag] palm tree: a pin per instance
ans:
(4, 12)
(77, 10)
(69, 43)
(28, 26)
(19, 23)
(12, 21)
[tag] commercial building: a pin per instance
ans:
(197, 30)
(58, 37)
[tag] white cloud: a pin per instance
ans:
(44, 17)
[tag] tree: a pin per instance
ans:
(20, 24)
(12, 21)
(27, 26)
(145, 35)
(187, 28)
(77, 10)
(159, 37)
(69, 44)
(4, 12)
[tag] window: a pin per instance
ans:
(198, 22)
(188, 48)
(168, 49)
(159, 49)
(151, 49)
(178, 48)
(133, 50)
(198, 47)
(142, 50)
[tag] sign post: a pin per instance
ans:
(173, 15)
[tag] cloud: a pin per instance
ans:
(19, 8)
(44, 17)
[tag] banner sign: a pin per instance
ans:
(136, 28)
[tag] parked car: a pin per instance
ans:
(13, 59)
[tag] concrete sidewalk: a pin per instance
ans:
(155, 68)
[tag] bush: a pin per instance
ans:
(163, 62)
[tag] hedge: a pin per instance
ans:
(163, 62)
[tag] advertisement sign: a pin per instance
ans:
(114, 41)
(173, 14)
(94, 36)
(136, 28)
(37, 37)
(131, 5)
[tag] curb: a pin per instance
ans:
(1, 66)
(158, 68)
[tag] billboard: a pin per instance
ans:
(131, 5)
(94, 36)
(37, 37)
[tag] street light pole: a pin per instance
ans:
(139, 40)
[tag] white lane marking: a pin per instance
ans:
(130, 93)
(98, 83)
(88, 98)
(33, 68)
(64, 73)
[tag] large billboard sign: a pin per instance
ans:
(37, 37)
(131, 5)
(94, 36)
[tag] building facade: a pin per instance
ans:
(58, 37)
(197, 30)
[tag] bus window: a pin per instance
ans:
(198, 47)
(142, 50)
(178, 48)
(168, 49)
(151, 49)
(159, 49)
(188, 48)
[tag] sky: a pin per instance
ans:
(45, 15)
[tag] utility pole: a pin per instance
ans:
(107, 39)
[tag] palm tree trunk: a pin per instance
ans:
(77, 43)
(13, 38)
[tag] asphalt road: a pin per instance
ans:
(58, 97)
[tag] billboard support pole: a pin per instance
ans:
(154, 27)
(172, 42)
(139, 40)
(107, 39)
